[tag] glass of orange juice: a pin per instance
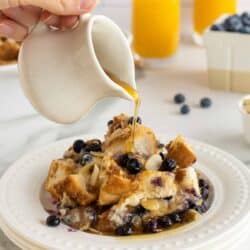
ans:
(207, 11)
(155, 27)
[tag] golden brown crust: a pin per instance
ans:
(9, 50)
(180, 151)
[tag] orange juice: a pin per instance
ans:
(156, 27)
(207, 11)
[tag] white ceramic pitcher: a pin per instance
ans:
(62, 73)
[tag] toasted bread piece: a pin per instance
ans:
(59, 170)
(75, 186)
(180, 151)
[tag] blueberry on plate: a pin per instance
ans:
(245, 17)
(124, 230)
(205, 102)
(217, 27)
(165, 221)
(94, 146)
(131, 120)
(133, 166)
(151, 226)
(168, 165)
(85, 159)
(185, 109)
(179, 98)
(175, 217)
(78, 145)
(233, 23)
(53, 221)
(122, 160)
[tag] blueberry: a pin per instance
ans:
(131, 119)
(133, 166)
(245, 30)
(151, 226)
(204, 193)
(53, 221)
(245, 17)
(202, 184)
(124, 230)
(233, 23)
(179, 98)
(175, 217)
(217, 27)
(122, 160)
(94, 147)
(168, 165)
(165, 221)
(78, 146)
(140, 210)
(185, 109)
(85, 159)
(110, 122)
(205, 102)
(202, 208)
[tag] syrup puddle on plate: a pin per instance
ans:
(137, 103)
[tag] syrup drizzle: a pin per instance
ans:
(137, 103)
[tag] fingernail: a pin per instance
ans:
(87, 4)
(6, 30)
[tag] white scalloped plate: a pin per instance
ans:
(228, 217)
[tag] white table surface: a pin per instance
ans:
(186, 73)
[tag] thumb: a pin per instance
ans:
(58, 7)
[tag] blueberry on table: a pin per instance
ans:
(185, 109)
(124, 230)
(85, 159)
(245, 17)
(233, 23)
(78, 146)
(133, 166)
(217, 27)
(179, 98)
(205, 102)
(53, 221)
(168, 165)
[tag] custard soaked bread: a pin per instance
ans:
(102, 187)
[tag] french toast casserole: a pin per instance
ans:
(102, 188)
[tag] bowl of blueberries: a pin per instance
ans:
(228, 53)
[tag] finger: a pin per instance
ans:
(62, 22)
(58, 7)
(27, 16)
(11, 29)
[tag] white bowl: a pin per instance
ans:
(228, 58)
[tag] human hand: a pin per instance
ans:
(18, 16)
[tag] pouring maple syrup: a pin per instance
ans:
(137, 103)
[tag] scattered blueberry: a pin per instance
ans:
(175, 217)
(140, 210)
(85, 159)
(217, 27)
(168, 165)
(151, 226)
(245, 17)
(78, 146)
(165, 221)
(205, 102)
(179, 98)
(124, 230)
(95, 146)
(233, 23)
(110, 122)
(53, 221)
(131, 120)
(133, 166)
(185, 109)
